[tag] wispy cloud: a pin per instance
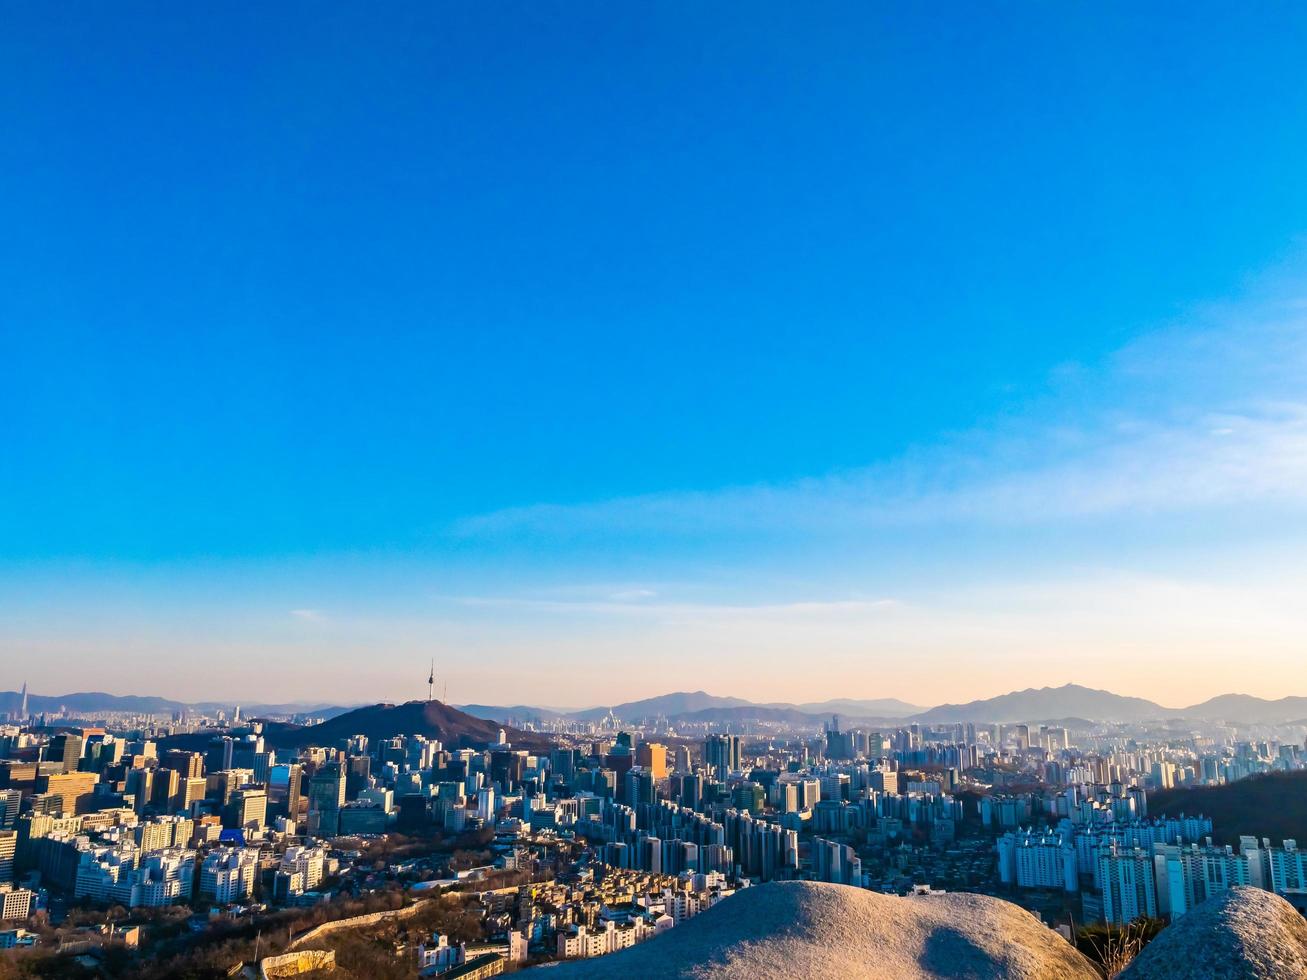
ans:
(682, 610)
(1180, 420)
(632, 595)
(308, 615)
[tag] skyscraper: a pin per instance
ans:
(284, 789)
(66, 748)
(8, 849)
(326, 798)
(652, 756)
(722, 754)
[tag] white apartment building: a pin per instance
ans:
(1126, 877)
(125, 876)
(227, 874)
(162, 832)
(487, 806)
(101, 869)
(307, 863)
(1287, 868)
(438, 956)
(1030, 860)
(607, 937)
(1188, 874)
(164, 877)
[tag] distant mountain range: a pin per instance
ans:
(700, 706)
(1033, 704)
(93, 702)
(1246, 708)
(1038, 704)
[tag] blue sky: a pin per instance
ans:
(922, 351)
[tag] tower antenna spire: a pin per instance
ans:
(431, 682)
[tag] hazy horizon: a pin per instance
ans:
(421, 695)
(600, 354)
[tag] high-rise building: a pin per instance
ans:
(189, 792)
(167, 782)
(1030, 860)
(653, 757)
(227, 874)
(15, 903)
(187, 764)
(883, 780)
(1288, 868)
(1126, 877)
(691, 791)
(722, 754)
(563, 763)
(1189, 874)
(284, 791)
(749, 796)
(639, 787)
(682, 763)
(306, 862)
(220, 755)
(839, 745)
(507, 767)
(248, 808)
(836, 862)
(326, 798)
(487, 805)
(8, 851)
(140, 786)
(67, 750)
(10, 802)
(358, 775)
(68, 792)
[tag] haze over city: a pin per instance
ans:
(781, 357)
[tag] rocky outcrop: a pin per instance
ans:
(1241, 934)
(808, 930)
(294, 964)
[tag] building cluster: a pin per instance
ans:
(1146, 868)
(111, 819)
(616, 833)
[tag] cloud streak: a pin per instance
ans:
(681, 610)
(1179, 421)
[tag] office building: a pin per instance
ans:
(721, 754)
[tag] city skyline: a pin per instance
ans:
(597, 358)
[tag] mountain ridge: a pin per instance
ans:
(1047, 704)
(101, 701)
(1033, 704)
(1249, 709)
(378, 722)
(702, 706)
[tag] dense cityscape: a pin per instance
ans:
(664, 491)
(129, 838)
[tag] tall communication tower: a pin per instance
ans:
(431, 682)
